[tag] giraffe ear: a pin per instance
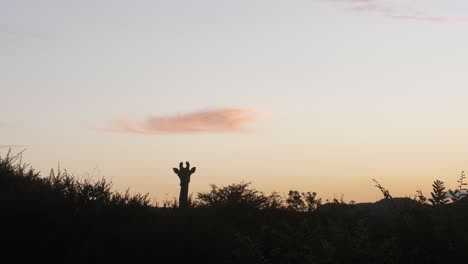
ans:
(193, 170)
(176, 170)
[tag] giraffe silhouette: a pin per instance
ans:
(184, 176)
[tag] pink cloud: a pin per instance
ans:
(352, 1)
(210, 121)
(394, 10)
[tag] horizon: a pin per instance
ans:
(319, 96)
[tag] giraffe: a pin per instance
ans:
(184, 176)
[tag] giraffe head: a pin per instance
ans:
(184, 173)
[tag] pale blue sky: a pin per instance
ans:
(351, 95)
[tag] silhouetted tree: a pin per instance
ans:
(184, 176)
(294, 201)
(312, 201)
(420, 198)
(439, 195)
(236, 196)
(461, 190)
(302, 202)
(275, 201)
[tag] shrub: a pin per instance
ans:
(234, 196)
(439, 195)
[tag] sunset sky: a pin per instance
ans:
(314, 95)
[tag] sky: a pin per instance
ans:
(312, 95)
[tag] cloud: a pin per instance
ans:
(352, 1)
(394, 10)
(226, 120)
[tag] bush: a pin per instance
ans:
(235, 196)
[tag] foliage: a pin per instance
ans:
(234, 196)
(295, 201)
(384, 191)
(312, 201)
(461, 190)
(274, 201)
(62, 187)
(439, 195)
(420, 198)
(61, 219)
(302, 202)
